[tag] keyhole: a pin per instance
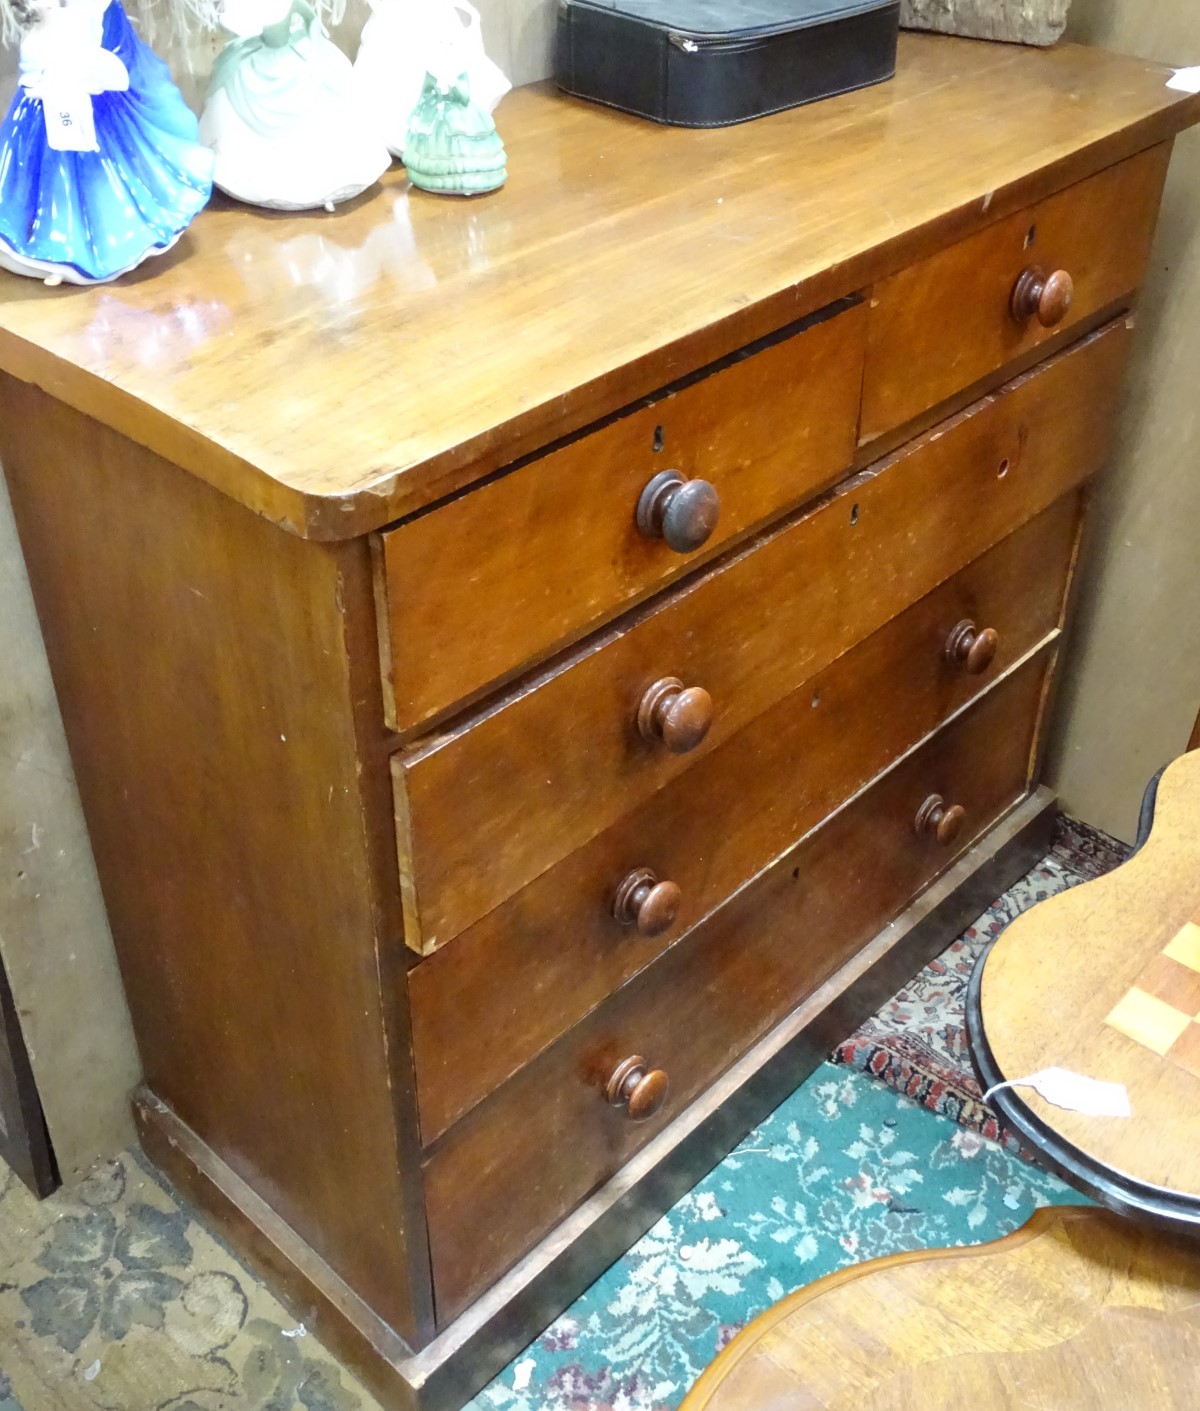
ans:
(659, 439)
(1031, 237)
(1003, 470)
(854, 515)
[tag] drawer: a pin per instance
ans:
(485, 1006)
(512, 570)
(510, 1170)
(944, 324)
(485, 808)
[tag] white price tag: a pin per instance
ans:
(70, 123)
(1073, 1092)
(1185, 80)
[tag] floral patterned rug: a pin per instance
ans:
(917, 1043)
(114, 1297)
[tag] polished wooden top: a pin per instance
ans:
(334, 372)
(1031, 1321)
(1105, 980)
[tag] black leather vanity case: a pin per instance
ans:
(708, 63)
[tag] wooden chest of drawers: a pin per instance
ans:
(540, 671)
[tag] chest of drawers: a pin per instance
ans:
(540, 671)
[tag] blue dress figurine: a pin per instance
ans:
(100, 162)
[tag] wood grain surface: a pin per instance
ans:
(491, 803)
(484, 1006)
(1077, 1311)
(766, 432)
(335, 373)
(510, 1169)
(220, 691)
(1057, 974)
(944, 323)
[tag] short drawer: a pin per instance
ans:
(515, 1166)
(485, 808)
(510, 985)
(942, 325)
(514, 569)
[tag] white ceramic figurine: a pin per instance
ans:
(286, 120)
(403, 42)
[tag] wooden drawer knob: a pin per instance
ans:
(682, 512)
(968, 646)
(645, 902)
(1046, 299)
(641, 1091)
(679, 717)
(935, 819)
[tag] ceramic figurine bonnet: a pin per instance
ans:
(286, 120)
(100, 162)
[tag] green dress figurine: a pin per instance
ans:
(453, 146)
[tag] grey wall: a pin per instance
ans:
(1132, 679)
(53, 936)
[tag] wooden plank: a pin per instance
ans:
(468, 1352)
(24, 1141)
(335, 374)
(220, 691)
(491, 1192)
(491, 803)
(475, 1018)
(553, 548)
(947, 321)
(1013, 21)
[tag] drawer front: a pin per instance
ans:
(483, 810)
(508, 987)
(511, 571)
(511, 1169)
(940, 326)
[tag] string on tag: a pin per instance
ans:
(1073, 1092)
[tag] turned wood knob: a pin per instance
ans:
(679, 717)
(968, 646)
(1047, 299)
(641, 1091)
(943, 823)
(645, 902)
(682, 512)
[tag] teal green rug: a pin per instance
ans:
(845, 1170)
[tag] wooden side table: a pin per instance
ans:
(1105, 981)
(1028, 1322)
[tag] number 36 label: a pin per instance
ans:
(70, 124)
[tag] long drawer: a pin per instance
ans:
(485, 1006)
(504, 1175)
(942, 325)
(485, 808)
(512, 570)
